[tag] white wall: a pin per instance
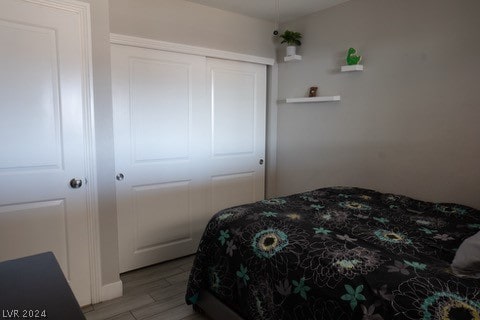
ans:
(185, 22)
(104, 140)
(409, 123)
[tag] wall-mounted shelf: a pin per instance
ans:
(292, 58)
(313, 99)
(356, 67)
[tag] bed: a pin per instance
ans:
(337, 253)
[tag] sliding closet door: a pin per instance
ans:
(237, 98)
(189, 141)
(161, 123)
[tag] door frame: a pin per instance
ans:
(82, 9)
(188, 49)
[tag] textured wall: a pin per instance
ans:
(104, 140)
(409, 123)
(193, 24)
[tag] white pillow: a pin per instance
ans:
(467, 259)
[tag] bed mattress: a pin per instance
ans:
(338, 253)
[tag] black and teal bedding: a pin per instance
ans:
(338, 253)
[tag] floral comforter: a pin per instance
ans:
(338, 253)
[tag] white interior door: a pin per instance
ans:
(42, 90)
(161, 124)
(237, 98)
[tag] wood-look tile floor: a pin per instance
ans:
(156, 292)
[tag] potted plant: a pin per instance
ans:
(292, 39)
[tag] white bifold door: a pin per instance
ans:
(189, 141)
(43, 96)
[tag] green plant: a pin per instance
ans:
(291, 38)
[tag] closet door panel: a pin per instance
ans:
(232, 189)
(237, 99)
(160, 110)
(159, 116)
(233, 107)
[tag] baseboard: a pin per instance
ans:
(111, 291)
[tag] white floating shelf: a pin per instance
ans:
(356, 67)
(292, 58)
(313, 99)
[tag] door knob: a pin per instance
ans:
(120, 176)
(76, 183)
(261, 161)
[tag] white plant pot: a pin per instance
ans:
(291, 51)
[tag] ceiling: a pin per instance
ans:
(265, 9)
